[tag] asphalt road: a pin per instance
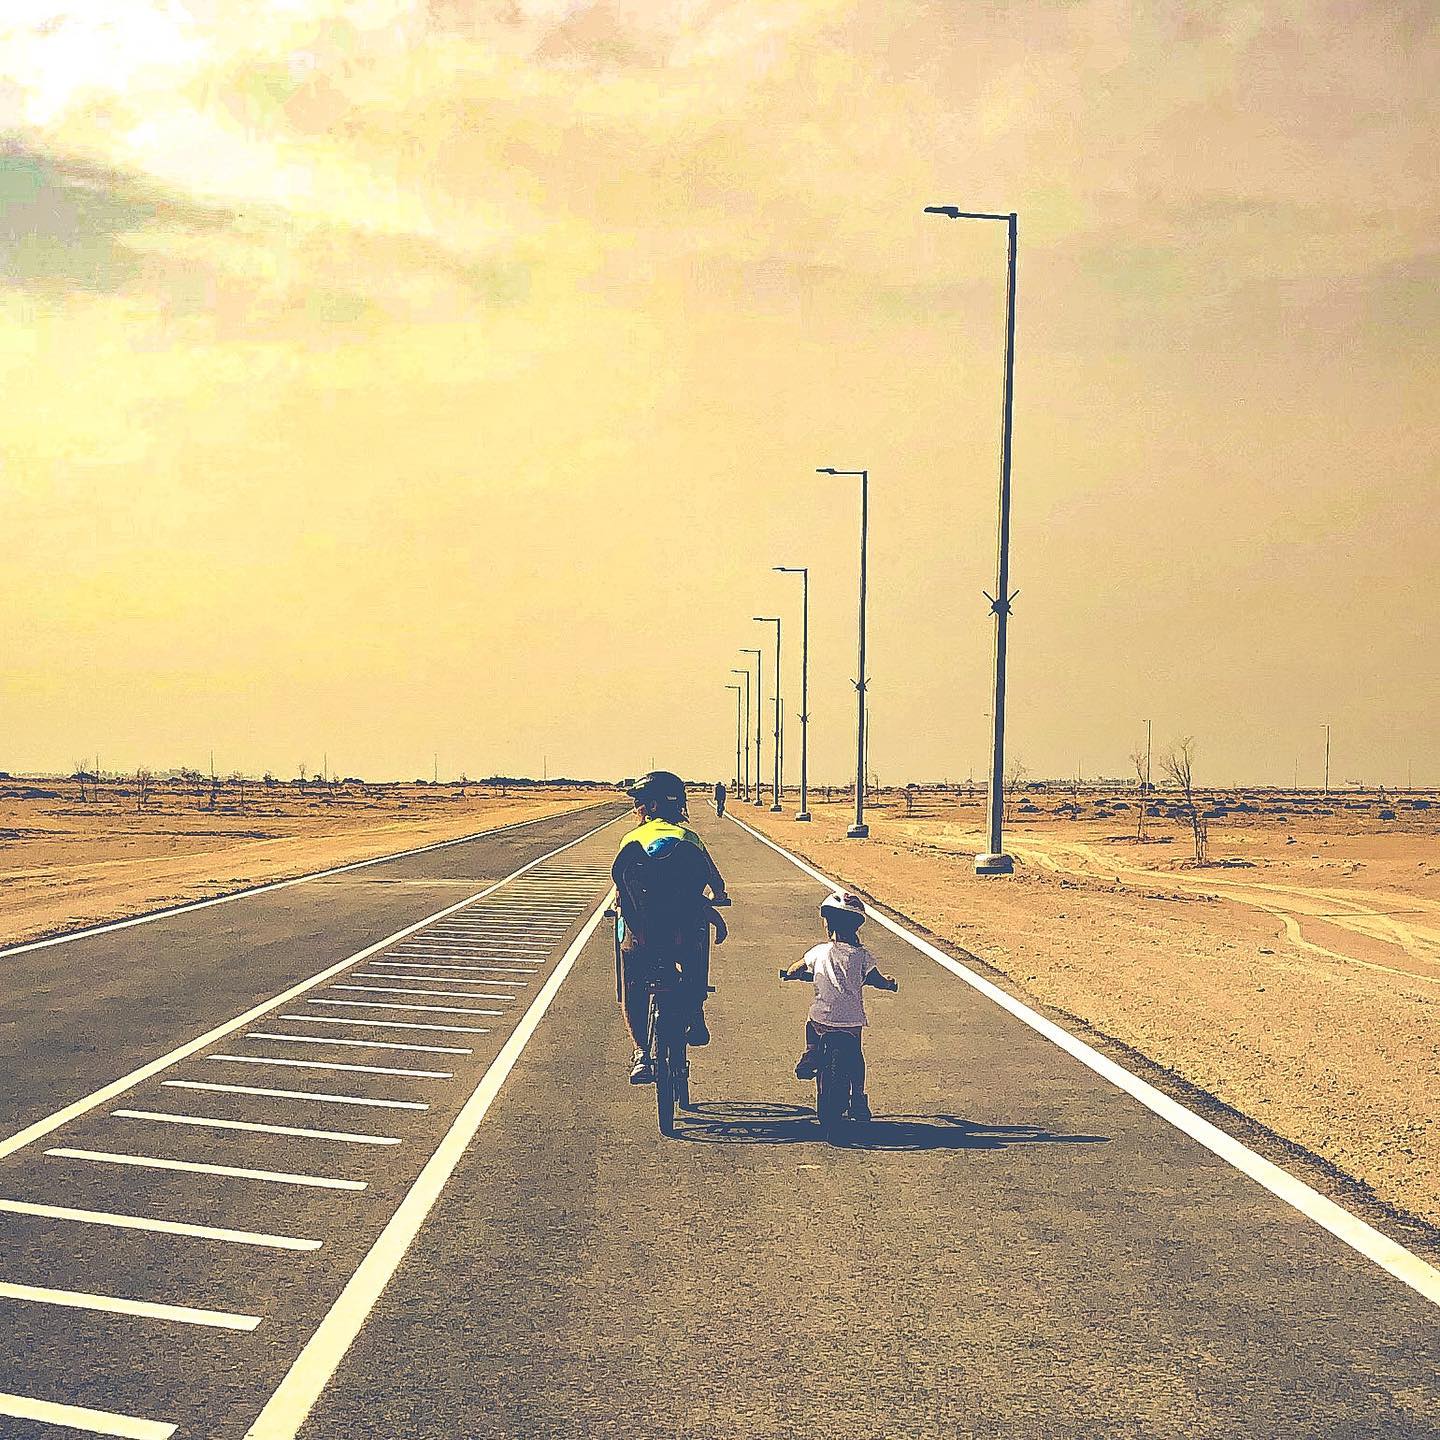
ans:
(1014, 1248)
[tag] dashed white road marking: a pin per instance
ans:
(334, 1065)
(433, 979)
(285, 1411)
(396, 1005)
(108, 1092)
(237, 1172)
(432, 965)
(206, 1122)
(320, 1097)
(81, 1417)
(163, 1227)
(360, 1044)
(388, 1024)
(119, 1305)
(405, 990)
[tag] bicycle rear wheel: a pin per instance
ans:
(662, 1046)
(831, 1090)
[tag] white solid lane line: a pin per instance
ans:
(206, 1123)
(388, 1024)
(118, 1305)
(406, 990)
(1349, 1229)
(285, 1411)
(163, 1227)
(81, 1417)
(321, 1097)
(66, 1113)
(334, 1065)
(359, 1044)
(237, 1172)
(395, 1005)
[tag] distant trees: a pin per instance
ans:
(143, 781)
(1137, 759)
(1015, 774)
(1179, 764)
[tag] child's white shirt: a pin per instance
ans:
(840, 972)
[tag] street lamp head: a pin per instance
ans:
(831, 470)
(766, 619)
(954, 212)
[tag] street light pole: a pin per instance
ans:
(859, 830)
(995, 861)
(746, 673)
(804, 572)
(1327, 759)
(759, 707)
(775, 787)
(736, 689)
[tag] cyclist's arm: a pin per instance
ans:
(879, 981)
(800, 970)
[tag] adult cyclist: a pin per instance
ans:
(661, 874)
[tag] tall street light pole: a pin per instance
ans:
(859, 830)
(1327, 760)
(759, 707)
(746, 673)
(736, 689)
(995, 861)
(804, 572)
(775, 787)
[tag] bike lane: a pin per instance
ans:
(1015, 1247)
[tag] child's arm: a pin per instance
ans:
(800, 970)
(879, 981)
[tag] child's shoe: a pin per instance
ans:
(860, 1108)
(806, 1069)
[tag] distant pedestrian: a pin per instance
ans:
(719, 798)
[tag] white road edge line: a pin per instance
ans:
(119, 1305)
(163, 1227)
(154, 915)
(80, 1417)
(80, 1107)
(1349, 1229)
(237, 1172)
(285, 1411)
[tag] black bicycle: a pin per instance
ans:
(670, 1012)
(839, 1072)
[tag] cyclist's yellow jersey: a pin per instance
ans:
(657, 836)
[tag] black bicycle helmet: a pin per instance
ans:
(658, 785)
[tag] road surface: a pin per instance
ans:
(475, 1230)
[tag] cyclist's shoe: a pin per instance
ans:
(807, 1067)
(642, 1069)
(860, 1108)
(698, 1033)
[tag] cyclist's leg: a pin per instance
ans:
(695, 981)
(809, 1060)
(635, 971)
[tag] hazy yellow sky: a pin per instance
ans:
(379, 378)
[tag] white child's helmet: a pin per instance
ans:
(842, 902)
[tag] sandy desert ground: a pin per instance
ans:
(1296, 978)
(67, 862)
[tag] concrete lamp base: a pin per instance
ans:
(858, 832)
(776, 809)
(994, 865)
(803, 815)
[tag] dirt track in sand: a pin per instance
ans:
(1298, 981)
(65, 863)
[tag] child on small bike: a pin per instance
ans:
(840, 968)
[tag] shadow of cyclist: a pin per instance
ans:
(758, 1122)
